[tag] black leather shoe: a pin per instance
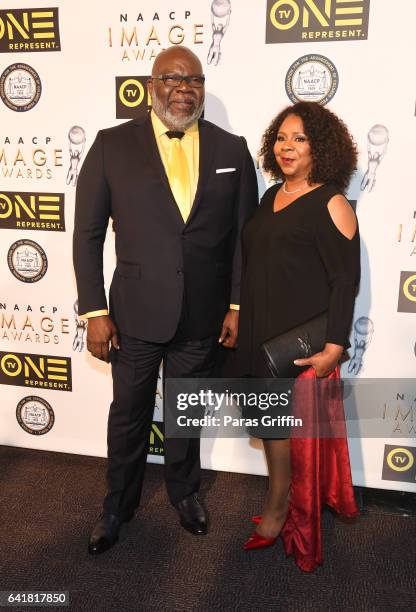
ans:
(105, 534)
(192, 515)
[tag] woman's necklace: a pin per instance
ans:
(290, 192)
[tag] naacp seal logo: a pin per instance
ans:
(20, 87)
(27, 261)
(312, 78)
(35, 415)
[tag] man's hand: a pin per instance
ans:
(100, 331)
(228, 337)
(325, 361)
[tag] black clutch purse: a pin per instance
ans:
(297, 343)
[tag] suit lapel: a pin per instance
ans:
(147, 141)
(206, 158)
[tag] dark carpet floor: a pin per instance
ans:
(49, 502)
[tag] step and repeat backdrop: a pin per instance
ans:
(68, 69)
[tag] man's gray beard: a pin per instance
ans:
(178, 124)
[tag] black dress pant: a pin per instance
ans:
(135, 368)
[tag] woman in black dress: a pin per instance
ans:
(301, 253)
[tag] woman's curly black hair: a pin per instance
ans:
(334, 153)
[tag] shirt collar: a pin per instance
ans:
(160, 128)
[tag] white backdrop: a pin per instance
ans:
(245, 89)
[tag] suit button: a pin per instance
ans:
(179, 272)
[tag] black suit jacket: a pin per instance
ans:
(164, 266)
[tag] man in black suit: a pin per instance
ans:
(178, 190)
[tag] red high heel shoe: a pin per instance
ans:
(258, 541)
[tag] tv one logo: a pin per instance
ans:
(157, 439)
(316, 20)
(399, 463)
(32, 211)
(132, 97)
(407, 292)
(42, 371)
(34, 29)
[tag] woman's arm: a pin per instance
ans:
(338, 244)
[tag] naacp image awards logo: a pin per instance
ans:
(27, 261)
(140, 36)
(20, 87)
(312, 78)
(35, 415)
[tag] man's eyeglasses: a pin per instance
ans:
(174, 80)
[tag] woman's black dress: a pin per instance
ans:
(296, 265)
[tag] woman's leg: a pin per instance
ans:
(275, 509)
